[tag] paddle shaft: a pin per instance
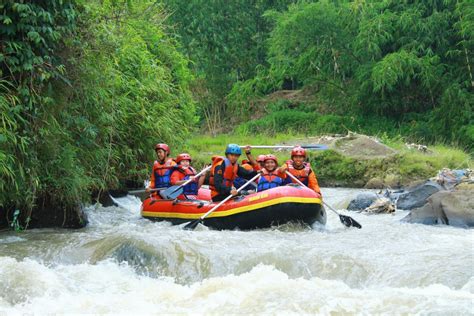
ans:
(320, 147)
(228, 198)
(301, 183)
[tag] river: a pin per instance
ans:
(124, 264)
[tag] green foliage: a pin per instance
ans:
(406, 62)
(87, 91)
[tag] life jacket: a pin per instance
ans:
(303, 177)
(268, 180)
(228, 176)
(192, 187)
(163, 173)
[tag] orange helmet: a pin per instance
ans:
(165, 147)
(261, 158)
(183, 156)
(298, 151)
(271, 157)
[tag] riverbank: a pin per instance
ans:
(354, 160)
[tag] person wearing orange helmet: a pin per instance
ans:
(183, 173)
(272, 176)
(301, 169)
(162, 168)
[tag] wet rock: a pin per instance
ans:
(362, 201)
(449, 208)
(417, 196)
(381, 205)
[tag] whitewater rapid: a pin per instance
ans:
(124, 264)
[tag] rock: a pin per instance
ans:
(418, 195)
(449, 208)
(381, 205)
(362, 201)
(374, 183)
(392, 181)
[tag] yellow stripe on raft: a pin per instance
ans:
(237, 210)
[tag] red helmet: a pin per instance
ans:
(183, 156)
(165, 147)
(271, 157)
(245, 161)
(298, 151)
(261, 158)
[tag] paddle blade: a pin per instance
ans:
(172, 192)
(192, 225)
(349, 221)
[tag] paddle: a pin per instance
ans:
(193, 224)
(315, 147)
(345, 220)
(173, 192)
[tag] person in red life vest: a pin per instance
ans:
(183, 173)
(272, 176)
(301, 169)
(261, 161)
(225, 170)
(162, 168)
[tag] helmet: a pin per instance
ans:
(271, 157)
(298, 151)
(233, 149)
(165, 147)
(183, 156)
(261, 158)
(245, 161)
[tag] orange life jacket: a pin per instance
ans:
(302, 176)
(229, 174)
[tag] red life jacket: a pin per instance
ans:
(302, 176)
(269, 180)
(192, 187)
(229, 174)
(163, 173)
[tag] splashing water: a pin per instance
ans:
(122, 263)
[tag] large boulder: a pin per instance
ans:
(450, 208)
(362, 201)
(417, 196)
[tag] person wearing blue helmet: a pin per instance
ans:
(225, 170)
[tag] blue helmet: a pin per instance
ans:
(233, 149)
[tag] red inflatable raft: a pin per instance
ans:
(258, 210)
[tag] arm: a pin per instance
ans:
(246, 174)
(176, 178)
(152, 179)
(313, 183)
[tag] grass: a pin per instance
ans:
(334, 169)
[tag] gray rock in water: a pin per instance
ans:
(362, 201)
(449, 208)
(417, 196)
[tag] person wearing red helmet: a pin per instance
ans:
(261, 160)
(301, 169)
(162, 168)
(184, 172)
(272, 176)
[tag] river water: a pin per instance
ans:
(124, 264)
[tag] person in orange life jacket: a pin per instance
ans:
(162, 168)
(301, 169)
(183, 173)
(271, 177)
(225, 170)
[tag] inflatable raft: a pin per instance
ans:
(258, 210)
